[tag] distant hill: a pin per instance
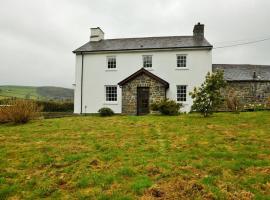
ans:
(38, 93)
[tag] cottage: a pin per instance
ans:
(128, 74)
(251, 83)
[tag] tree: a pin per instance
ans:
(207, 97)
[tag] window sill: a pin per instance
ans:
(184, 103)
(181, 68)
(110, 70)
(110, 103)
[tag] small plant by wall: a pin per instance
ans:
(105, 112)
(233, 102)
(167, 107)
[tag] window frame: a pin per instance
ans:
(186, 58)
(108, 101)
(178, 99)
(145, 56)
(107, 62)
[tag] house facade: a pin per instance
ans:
(129, 74)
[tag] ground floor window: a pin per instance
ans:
(181, 92)
(111, 93)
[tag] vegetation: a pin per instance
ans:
(19, 111)
(47, 106)
(208, 98)
(167, 107)
(268, 103)
(55, 92)
(233, 102)
(224, 156)
(105, 112)
(36, 93)
(56, 106)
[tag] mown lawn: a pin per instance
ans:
(226, 156)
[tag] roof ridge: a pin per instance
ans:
(251, 65)
(149, 37)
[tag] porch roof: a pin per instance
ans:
(147, 73)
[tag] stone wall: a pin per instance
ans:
(129, 93)
(249, 92)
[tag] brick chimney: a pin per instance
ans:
(198, 31)
(96, 35)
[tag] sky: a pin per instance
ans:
(37, 37)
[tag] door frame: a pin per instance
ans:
(137, 106)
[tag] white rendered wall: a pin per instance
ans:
(96, 75)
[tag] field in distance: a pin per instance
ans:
(36, 93)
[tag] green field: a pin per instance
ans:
(226, 156)
(36, 93)
(18, 92)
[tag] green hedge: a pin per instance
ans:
(48, 106)
(54, 106)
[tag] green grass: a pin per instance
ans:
(19, 92)
(36, 93)
(129, 157)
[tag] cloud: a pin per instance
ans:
(37, 36)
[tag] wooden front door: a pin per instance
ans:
(142, 100)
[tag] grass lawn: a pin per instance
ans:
(226, 156)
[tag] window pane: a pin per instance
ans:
(181, 60)
(111, 93)
(111, 62)
(147, 61)
(181, 93)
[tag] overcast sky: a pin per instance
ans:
(37, 36)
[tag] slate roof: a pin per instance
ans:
(235, 72)
(144, 44)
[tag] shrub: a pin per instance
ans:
(48, 106)
(167, 107)
(255, 107)
(232, 101)
(56, 106)
(19, 111)
(268, 103)
(208, 98)
(104, 112)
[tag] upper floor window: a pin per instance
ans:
(181, 61)
(111, 62)
(181, 92)
(147, 61)
(111, 93)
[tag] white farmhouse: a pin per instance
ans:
(128, 74)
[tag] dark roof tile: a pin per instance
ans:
(144, 43)
(236, 72)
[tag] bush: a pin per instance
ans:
(55, 106)
(255, 107)
(208, 98)
(232, 101)
(19, 111)
(104, 112)
(268, 103)
(48, 106)
(167, 107)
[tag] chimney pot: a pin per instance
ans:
(96, 35)
(255, 75)
(198, 31)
